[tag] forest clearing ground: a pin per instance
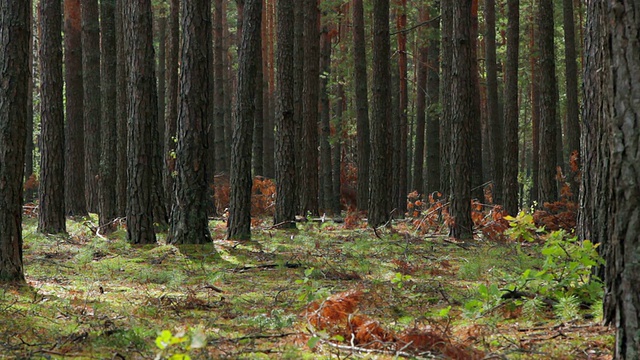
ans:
(96, 298)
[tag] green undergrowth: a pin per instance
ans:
(98, 297)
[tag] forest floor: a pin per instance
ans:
(318, 292)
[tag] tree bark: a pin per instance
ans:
(239, 225)
(142, 112)
(121, 111)
(171, 114)
(494, 121)
(92, 106)
(476, 141)
(445, 123)
(75, 201)
(421, 106)
(434, 143)
(51, 219)
(571, 78)
(325, 122)
(461, 226)
(511, 118)
(15, 23)
(379, 195)
(259, 113)
(401, 176)
(219, 89)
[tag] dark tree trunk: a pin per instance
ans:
(142, 113)
(336, 152)
(403, 102)
(417, 184)
(121, 112)
(171, 114)
(535, 112)
(189, 222)
(379, 195)
(362, 104)
(298, 74)
(219, 53)
(462, 103)
(239, 225)
(268, 140)
(623, 268)
(92, 114)
(476, 141)
(75, 201)
(228, 81)
(285, 151)
(51, 219)
(161, 23)
(433, 106)
(548, 156)
(325, 122)
(310, 84)
(15, 23)
(29, 176)
(445, 122)
(510, 159)
(494, 121)
(108, 175)
(258, 115)
(571, 77)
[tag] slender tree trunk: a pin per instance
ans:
(219, 53)
(15, 23)
(477, 176)
(51, 219)
(325, 122)
(336, 157)
(511, 118)
(75, 202)
(462, 86)
(171, 113)
(445, 123)
(535, 112)
(189, 221)
(239, 225)
(92, 106)
(298, 74)
(434, 143)
(268, 145)
(362, 105)
(142, 113)
(571, 78)
(401, 24)
(310, 84)
(108, 175)
(421, 102)
(548, 122)
(29, 176)
(121, 112)
(285, 152)
(494, 121)
(161, 23)
(259, 113)
(379, 195)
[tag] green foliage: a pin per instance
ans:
(400, 280)
(178, 346)
(522, 227)
(309, 289)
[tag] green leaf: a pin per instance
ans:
(313, 341)
(164, 339)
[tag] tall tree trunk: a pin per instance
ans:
(379, 195)
(92, 106)
(434, 171)
(511, 118)
(259, 113)
(298, 74)
(142, 113)
(462, 86)
(336, 152)
(161, 23)
(171, 113)
(108, 177)
(75, 201)
(51, 219)
(310, 84)
(401, 24)
(446, 97)
(285, 152)
(29, 176)
(548, 121)
(219, 53)
(362, 105)
(494, 121)
(325, 122)
(15, 23)
(121, 111)
(189, 221)
(421, 109)
(535, 111)
(477, 175)
(239, 225)
(268, 146)
(571, 78)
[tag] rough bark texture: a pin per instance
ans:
(142, 108)
(75, 202)
(189, 222)
(623, 263)
(403, 102)
(572, 133)
(239, 225)
(15, 23)
(336, 151)
(298, 74)
(285, 153)
(379, 194)
(121, 112)
(362, 104)
(417, 183)
(494, 120)
(219, 89)
(462, 112)
(310, 86)
(51, 219)
(108, 175)
(325, 122)
(548, 156)
(445, 123)
(92, 114)
(511, 118)
(161, 24)
(535, 111)
(476, 141)
(171, 114)
(259, 113)
(434, 142)
(29, 191)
